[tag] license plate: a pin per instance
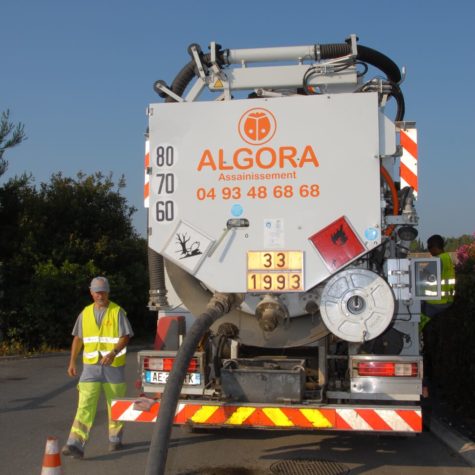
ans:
(160, 377)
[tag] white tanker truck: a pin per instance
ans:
(281, 209)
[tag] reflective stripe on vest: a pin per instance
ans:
(98, 339)
(101, 341)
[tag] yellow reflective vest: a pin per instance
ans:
(447, 290)
(100, 341)
(447, 281)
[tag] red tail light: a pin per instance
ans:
(387, 369)
(166, 364)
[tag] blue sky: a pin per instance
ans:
(79, 75)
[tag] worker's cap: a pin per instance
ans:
(99, 284)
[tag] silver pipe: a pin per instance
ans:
(256, 55)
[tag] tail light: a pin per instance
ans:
(387, 369)
(166, 364)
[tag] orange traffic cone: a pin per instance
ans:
(52, 459)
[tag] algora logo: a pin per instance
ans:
(257, 126)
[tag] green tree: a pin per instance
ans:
(453, 243)
(61, 235)
(10, 135)
(417, 245)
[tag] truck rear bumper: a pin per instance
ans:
(400, 419)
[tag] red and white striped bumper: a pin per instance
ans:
(347, 418)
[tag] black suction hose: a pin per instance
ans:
(219, 305)
(373, 57)
(381, 61)
(182, 79)
(401, 105)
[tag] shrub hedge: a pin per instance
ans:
(453, 340)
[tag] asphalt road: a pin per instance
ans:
(37, 400)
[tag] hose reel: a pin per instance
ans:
(357, 305)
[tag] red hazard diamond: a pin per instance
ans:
(337, 244)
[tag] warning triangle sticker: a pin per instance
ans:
(218, 84)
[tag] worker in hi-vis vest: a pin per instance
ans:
(431, 308)
(104, 331)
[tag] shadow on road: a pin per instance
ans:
(38, 402)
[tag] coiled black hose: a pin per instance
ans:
(390, 68)
(375, 58)
(401, 105)
(380, 61)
